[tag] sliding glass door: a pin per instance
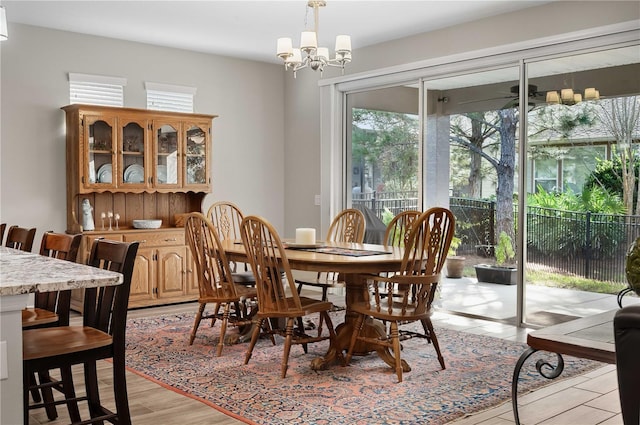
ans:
(537, 157)
(582, 209)
(383, 155)
(471, 138)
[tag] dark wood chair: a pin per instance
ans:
(101, 336)
(20, 238)
(215, 280)
(3, 227)
(407, 295)
(51, 308)
(277, 295)
(226, 217)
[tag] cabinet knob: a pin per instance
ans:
(170, 240)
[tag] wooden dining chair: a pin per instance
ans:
(226, 217)
(3, 227)
(399, 228)
(277, 295)
(407, 295)
(348, 226)
(20, 238)
(397, 233)
(215, 280)
(51, 308)
(101, 336)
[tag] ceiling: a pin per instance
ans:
(249, 29)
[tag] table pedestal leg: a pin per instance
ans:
(372, 328)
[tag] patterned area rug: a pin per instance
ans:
(478, 376)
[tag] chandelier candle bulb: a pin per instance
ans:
(323, 52)
(285, 47)
(553, 97)
(591, 94)
(343, 44)
(566, 95)
(295, 58)
(308, 40)
(305, 236)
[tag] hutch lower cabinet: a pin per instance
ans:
(134, 164)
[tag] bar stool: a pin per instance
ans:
(51, 308)
(101, 336)
(20, 238)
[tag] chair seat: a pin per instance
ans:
(242, 292)
(396, 313)
(244, 278)
(322, 283)
(49, 342)
(309, 305)
(37, 316)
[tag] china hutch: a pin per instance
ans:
(135, 164)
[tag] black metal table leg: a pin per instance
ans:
(541, 366)
(621, 294)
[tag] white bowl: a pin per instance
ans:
(147, 224)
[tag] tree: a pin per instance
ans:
(387, 142)
(503, 124)
(477, 129)
(621, 118)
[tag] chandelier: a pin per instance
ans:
(568, 97)
(315, 57)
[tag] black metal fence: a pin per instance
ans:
(580, 243)
(395, 202)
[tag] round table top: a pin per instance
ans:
(324, 258)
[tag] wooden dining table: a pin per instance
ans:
(355, 262)
(23, 273)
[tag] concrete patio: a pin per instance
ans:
(466, 296)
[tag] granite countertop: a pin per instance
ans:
(25, 272)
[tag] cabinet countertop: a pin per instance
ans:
(132, 230)
(25, 272)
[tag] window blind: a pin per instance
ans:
(96, 89)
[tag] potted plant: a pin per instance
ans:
(455, 263)
(503, 272)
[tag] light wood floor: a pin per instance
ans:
(588, 399)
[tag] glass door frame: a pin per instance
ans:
(333, 107)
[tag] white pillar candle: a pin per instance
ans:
(305, 236)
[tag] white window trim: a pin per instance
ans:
(174, 88)
(100, 79)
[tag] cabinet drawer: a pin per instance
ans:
(147, 239)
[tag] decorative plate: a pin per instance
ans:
(134, 173)
(104, 174)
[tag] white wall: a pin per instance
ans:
(303, 95)
(248, 135)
